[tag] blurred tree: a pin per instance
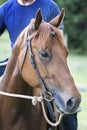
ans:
(75, 23)
(2, 1)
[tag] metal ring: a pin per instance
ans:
(48, 96)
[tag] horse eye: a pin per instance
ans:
(44, 55)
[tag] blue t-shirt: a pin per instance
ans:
(15, 17)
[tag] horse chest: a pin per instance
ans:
(22, 118)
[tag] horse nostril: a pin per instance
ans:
(72, 104)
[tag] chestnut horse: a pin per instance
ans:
(37, 68)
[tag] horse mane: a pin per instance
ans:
(15, 53)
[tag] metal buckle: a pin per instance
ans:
(47, 96)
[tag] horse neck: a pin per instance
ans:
(12, 76)
(12, 82)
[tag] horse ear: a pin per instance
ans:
(38, 19)
(58, 19)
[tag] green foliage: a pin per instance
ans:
(2, 1)
(75, 23)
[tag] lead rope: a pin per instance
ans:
(47, 120)
(33, 98)
(34, 102)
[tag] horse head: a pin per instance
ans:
(50, 54)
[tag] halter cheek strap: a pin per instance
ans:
(32, 60)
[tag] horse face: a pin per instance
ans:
(50, 55)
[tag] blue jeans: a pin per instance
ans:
(69, 122)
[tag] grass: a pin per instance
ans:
(82, 116)
(78, 68)
(4, 46)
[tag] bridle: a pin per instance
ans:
(32, 60)
(45, 95)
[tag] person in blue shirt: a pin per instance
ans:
(15, 15)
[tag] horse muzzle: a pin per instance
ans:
(69, 106)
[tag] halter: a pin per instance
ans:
(46, 95)
(32, 60)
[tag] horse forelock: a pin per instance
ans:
(45, 30)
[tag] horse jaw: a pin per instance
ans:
(58, 19)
